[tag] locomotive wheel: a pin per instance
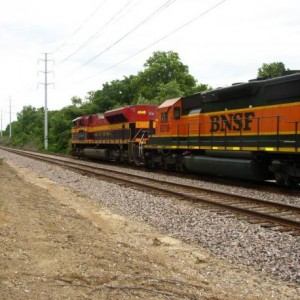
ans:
(281, 178)
(284, 180)
(179, 166)
(149, 163)
(294, 184)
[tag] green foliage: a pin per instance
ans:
(76, 101)
(112, 94)
(141, 100)
(101, 101)
(271, 70)
(160, 69)
(164, 77)
(200, 88)
(28, 129)
(60, 124)
(168, 91)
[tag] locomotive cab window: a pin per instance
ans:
(81, 135)
(164, 117)
(176, 113)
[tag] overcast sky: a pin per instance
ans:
(96, 41)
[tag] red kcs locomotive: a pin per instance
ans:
(116, 135)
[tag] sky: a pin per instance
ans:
(92, 42)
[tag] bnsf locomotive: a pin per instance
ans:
(247, 130)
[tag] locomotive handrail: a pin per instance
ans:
(269, 126)
(137, 134)
(268, 130)
(278, 130)
(258, 132)
(296, 133)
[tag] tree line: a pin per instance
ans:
(163, 77)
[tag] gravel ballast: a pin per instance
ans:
(237, 241)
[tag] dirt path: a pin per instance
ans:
(56, 244)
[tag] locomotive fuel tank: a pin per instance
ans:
(101, 154)
(227, 167)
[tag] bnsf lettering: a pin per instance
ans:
(232, 122)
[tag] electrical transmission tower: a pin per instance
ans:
(45, 83)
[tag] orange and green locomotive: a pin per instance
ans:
(247, 130)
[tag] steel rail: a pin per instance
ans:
(170, 188)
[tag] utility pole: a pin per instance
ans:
(45, 83)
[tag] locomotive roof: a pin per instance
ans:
(126, 114)
(255, 92)
(81, 117)
(248, 89)
(169, 103)
(124, 108)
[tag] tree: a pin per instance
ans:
(271, 70)
(141, 100)
(160, 69)
(201, 87)
(60, 124)
(28, 130)
(76, 101)
(116, 92)
(163, 77)
(168, 91)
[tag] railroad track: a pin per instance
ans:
(267, 213)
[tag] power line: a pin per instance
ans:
(157, 41)
(161, 8)
(97, 33)
(80, 26)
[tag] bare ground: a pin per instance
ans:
(56, 244)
